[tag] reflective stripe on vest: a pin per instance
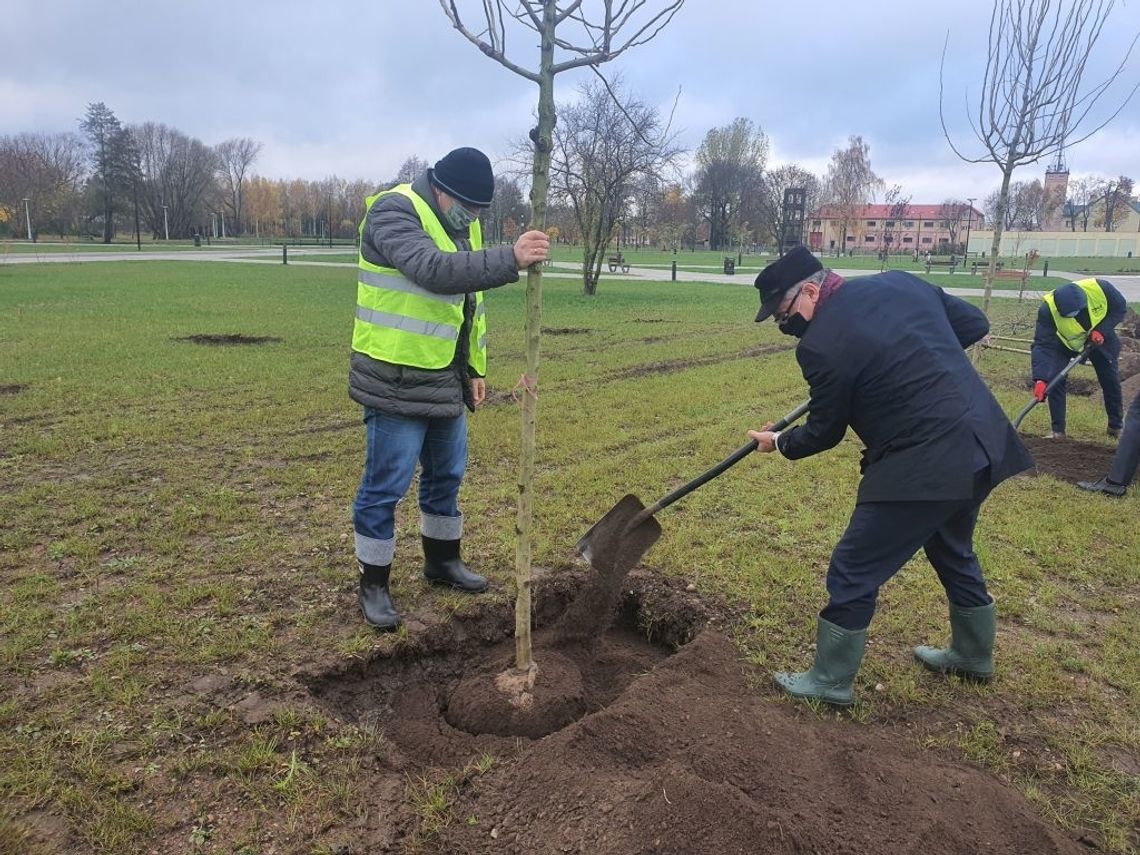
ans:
(401, 322)
(1071, 333)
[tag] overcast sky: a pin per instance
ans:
(354, 88)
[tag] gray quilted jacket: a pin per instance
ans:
(393, 237)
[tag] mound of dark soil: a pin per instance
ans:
(692, 760)
(691, 753)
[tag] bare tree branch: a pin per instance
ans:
(1034, 97)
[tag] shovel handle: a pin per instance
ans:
(727, 463)
(1061, 375)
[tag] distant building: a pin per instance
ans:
(1056, 194)
(939, 229)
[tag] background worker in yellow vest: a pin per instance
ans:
(1076, 314)
(419, 358)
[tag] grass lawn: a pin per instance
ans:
(173, 510)
(120, 244)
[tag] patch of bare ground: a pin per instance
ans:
(1069, 459)
(225, 339)
(672, 366)
(565, 330)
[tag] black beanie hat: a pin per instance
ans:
(774, 280)
(466, 175)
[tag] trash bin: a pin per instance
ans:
(197, 239)
(730, 265)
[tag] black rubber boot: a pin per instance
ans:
(375, 599)
(443, 566)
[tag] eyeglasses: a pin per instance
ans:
(781, 315)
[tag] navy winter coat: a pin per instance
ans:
(884, 356)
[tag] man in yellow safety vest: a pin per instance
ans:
(419, 359)
(1077, 314)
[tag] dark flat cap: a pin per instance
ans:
(796, 265)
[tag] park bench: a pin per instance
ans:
(951, 263)
(983, 266)
(616, 261)
(1020, 275)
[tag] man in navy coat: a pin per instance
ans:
(884, 356)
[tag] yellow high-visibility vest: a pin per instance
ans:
(1068, 330)
(400, 322)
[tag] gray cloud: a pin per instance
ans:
(354, 88)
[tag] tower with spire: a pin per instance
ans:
(1056, 192)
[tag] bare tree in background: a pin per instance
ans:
(1033, 100)
(47, 169)
(568, 39)
(1029, 205)
(603, 143)
(507, 212)
(235, 157)
(773, 224)
(1116, 193)
(178, 171)
(952, 213)
(897, 207)
(729, 162)
(411, 169)
(850, 184)
(1083, 193)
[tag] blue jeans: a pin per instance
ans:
(394, 445)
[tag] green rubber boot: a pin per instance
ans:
(971, 651)
(838, 653)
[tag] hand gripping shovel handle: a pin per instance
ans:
(725, 464)
(1061, 375)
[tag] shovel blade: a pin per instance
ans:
(610, 543)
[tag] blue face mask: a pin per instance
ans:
(458, 217)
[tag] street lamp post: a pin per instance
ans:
(28, 217)
(165, 223)
(969, 222)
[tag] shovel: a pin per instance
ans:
(616, 542)
(1049, 387)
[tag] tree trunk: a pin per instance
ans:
(995, 249)
(540, 185)
(591, 270)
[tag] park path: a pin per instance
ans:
(1129, 286)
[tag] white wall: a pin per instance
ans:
(1059, 244)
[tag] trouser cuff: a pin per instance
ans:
(441, 528)
(370, 550)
